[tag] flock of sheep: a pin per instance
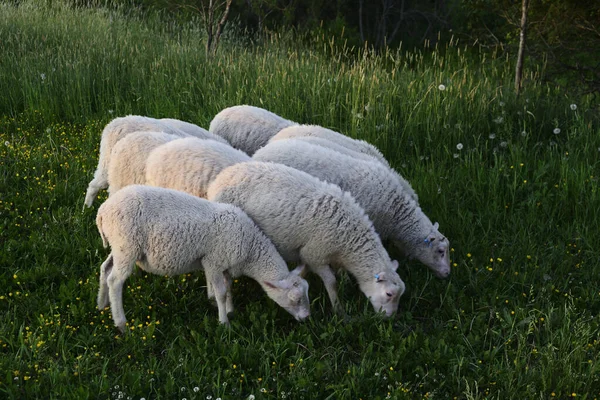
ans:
(246, 197)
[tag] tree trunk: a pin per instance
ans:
(521, 54)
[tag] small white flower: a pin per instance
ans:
(556, 131)
(183, 389)
(43, 76)
(524, 133)
(7, 143)
(196, 389)
(455, 155)
(208, 397)
(459, 146)
(492, 136)
(263, 390)
(573, 107)
(442, 87)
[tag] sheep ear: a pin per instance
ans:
(394, 265)
(277, 284)
(436, 226)
(300, 270)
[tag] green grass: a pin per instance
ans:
(517, 319)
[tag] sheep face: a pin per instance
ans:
(291, 293)
(384, 291)
(434, 252)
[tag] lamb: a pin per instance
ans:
(190, 164)
(394, 212)
(318, 131)
(347, 151)
(118, 128)
(169, 232)
(129, 156)
(315, 223)
(247, 128)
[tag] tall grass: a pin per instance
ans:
(517, 319)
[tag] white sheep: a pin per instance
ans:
(357, 145)
(394, 212)
(315, 223)
(319, 141)
(168, 232)
(190, 164)
(120, 127)
(247, 128)
(128, 158)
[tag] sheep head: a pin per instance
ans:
(291, 293)
(434, 252)
(384, 290)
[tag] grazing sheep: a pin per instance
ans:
(394, 212)
(318, 131)
(346, 151)
(118, 128)
(190, 164)
(315, 223)
(128, 158)
(169, 232)
(247, 128)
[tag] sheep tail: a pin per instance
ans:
(102, 235)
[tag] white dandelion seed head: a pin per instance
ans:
(43, 76)
(7, 143)
(208, 397)
(492, 136)
(499, 120)
(196, 389)
(573, 107)
(556, 131)
(183, 389)
(504, 144)
(442, 87)
(263, 390)
(251, 397)
(110, 111)
(142, 398)
(459, 146)
(501, 104)
(524, 133)
(367, 108)
(455, 155)
(358, 115)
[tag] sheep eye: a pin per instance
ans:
(388, 294)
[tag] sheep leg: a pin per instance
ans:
(105, 270)
(229, 299)
(328, 278)
(94, 187)
(122, 268)
(220, 291)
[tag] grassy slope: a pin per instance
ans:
(520, 204)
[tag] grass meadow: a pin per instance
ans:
(513, 182)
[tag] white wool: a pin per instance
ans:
(190, 164)
(247, 128)
(313, 222)
(360, 146)
(385, 198)
(120, 127)
(169, 232)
